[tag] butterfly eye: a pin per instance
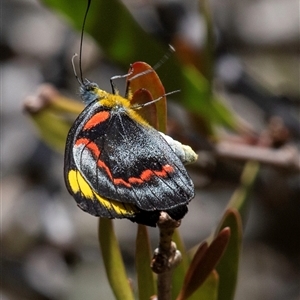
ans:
(93, 86)
(90, 86)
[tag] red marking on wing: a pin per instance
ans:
(120, 181)
(146, 175)
(96, 153)
(90, 145)
(135, 180)
(96, 119)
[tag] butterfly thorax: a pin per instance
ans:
(91, 92)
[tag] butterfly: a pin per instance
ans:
(118, 166)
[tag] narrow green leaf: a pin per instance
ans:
(229, 263)
(240, 198)
(197, 98)
(232, 218)
(143, 257)
(52, 114)
(203, 263)
(209, 49)
(113, 261)
(52, 129)
(185, 291)
(209, 289)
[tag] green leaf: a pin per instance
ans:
(188, 286)
(52, 114)
(209, 49)
(110, 23)
(234, 217)
(197, 98)
(113, 261)
(52, 129)
(143, 257)
(203, 263)
(209, 289)
(124, 42)
(228, 266)
(240, 197)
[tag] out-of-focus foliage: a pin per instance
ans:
(211, 271)
(124, 42)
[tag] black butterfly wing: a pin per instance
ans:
(152, 176)
(123, 162)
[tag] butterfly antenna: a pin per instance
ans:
(139, 106)
(165, 57)
(157, 65)
(74, 68)
(81, 42)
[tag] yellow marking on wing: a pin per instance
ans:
(84, 187)
(120, 208)
(79, 184)
(72, 178)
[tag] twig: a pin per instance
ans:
(287, 157)
(166, 256)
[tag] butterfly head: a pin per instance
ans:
(88, 91)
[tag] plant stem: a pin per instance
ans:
(164, 289)
(166, 256)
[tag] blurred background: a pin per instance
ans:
(49, 247)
